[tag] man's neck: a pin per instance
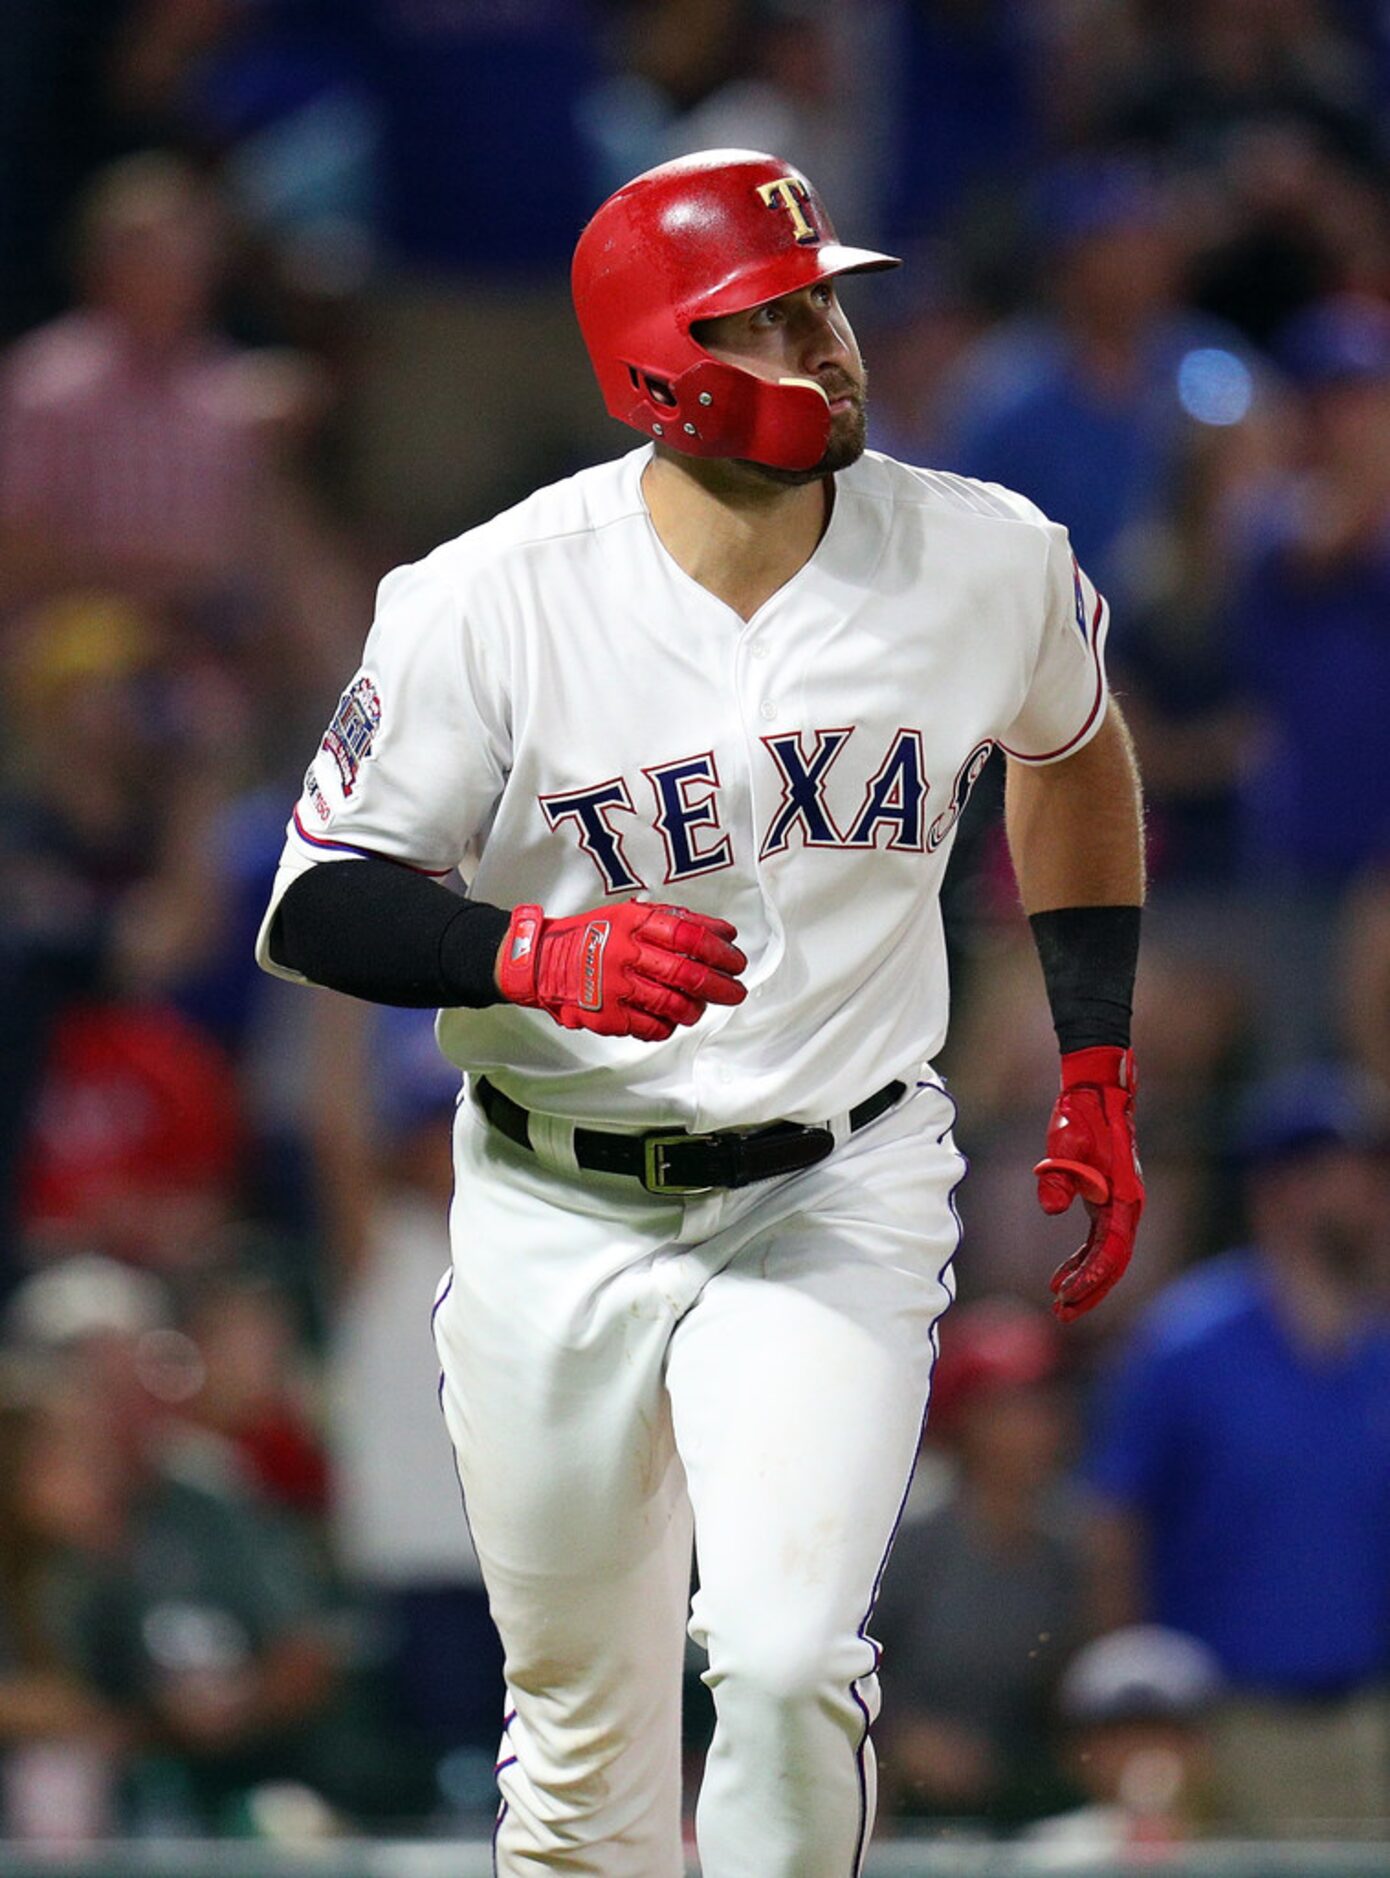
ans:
(1321, 1316)
(1110, 353)
(739, 535)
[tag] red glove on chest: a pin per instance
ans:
(1091, 1152)
(627, 970)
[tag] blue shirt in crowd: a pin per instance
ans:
(1262, 1473)
(1314, 648)
(1025, 415)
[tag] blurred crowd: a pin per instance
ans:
(283, 301)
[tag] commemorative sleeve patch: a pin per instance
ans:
(350, 736)
(315, 797)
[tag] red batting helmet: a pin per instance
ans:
(717, 232)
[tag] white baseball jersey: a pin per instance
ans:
(552, 703)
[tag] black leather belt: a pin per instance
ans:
(685, 1163)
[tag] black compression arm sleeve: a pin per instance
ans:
(376, 930)
(1089, 955)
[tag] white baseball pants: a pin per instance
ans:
(621, 1368)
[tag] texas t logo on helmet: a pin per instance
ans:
(707, 235)
(791, 194)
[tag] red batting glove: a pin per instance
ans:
(1091, 1152)
(628, 970)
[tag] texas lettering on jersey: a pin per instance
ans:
(686, 792)
(554, 709)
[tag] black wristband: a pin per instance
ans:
(1089, 955)
(377, 930)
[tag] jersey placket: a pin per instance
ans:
(751, 707)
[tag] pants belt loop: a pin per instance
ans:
(552, 1136)
(839, 1127)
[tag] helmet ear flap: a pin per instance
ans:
(787, 422)
(716, 409)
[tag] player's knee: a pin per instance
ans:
(586, 1789)
(790, 1666)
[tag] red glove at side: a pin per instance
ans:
(628, 970)
(1091, 1152)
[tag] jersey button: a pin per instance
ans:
(758, 649)
(767, 709)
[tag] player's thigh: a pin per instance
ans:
(551, 1338)
(551, 1341)
(800, 1379)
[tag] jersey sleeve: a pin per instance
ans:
(416, 753)
(1067, 694)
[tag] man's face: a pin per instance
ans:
(1349, 425)
(801, 335)
(158, 275)
(1331, 1205)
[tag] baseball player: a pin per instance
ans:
(700, 724)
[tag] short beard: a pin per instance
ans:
(1343, 1253)
(849, 433)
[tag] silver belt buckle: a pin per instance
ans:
(653, 1162)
